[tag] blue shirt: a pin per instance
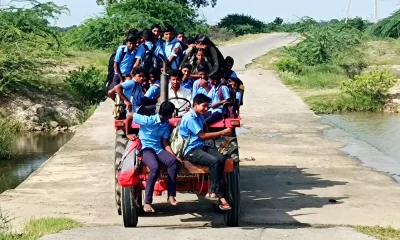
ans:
(152, 131)
(188, 84)
(239, 96)
(134, 92)
(213, 94)
(169, 51)
(126, 64)
(198, 89)
(191, 124)
(154, 91)
(233, 75)
(142, 50)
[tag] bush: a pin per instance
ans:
(352, 61)
(241, 24)
(87, 85)
(373, 86)
(290, 65)
(220, 34)
(8, 129)
(388, 27)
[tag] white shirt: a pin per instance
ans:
(179, 103)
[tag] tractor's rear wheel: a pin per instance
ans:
(130, 210)
(233, 196)
(120, 145)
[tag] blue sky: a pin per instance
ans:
(265, 10)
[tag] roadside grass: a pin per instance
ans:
(268, 60)
(382, 233)
(384, 52)
(239, 39)
(37, 228)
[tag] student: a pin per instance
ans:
(233, 85)
(189, 53)
(192, 125)
(172, 47)
(156, 29)
(131, 93)
(219, 94)
(156, 52)
(154, 81)
(181, 38)
(213, 55)
(154, 136)
(187, 81)
(202, 85)
(229, 73)
(123, 62)
(199, 60)
(176, 90)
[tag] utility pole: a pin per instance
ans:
(348, 11)
(376, 10)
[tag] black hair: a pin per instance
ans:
(229, 59)
(132, 39)
(175, 73)
(203, 67)
(148, 35)
(155, 25)
(187, 65)
(181, 33)
(139, 34)
(169, 28)
(138, 70)
(132, 32)
(237, 81)
(204, 40)
(190, 40)
(215, 76)
(166, 109)
(201, 98)
(156, 72)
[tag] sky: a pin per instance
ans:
(265, 10)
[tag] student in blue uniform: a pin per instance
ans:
(149, 43)
(219, 94)
(187, 81)
(203, 84)
(172, 47)
(192, 125)
(154, 136)
(229, 73)
(154, 80)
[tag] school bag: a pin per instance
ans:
(177, 143)
(150, 60)
(111, 71)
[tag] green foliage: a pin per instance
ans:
(289, 64)
(241, 24)
(278, 21)
(109, 30)
(220, 34)
(192, 3)
(87, 85)
(388, 27)
(8, 129)
(382, 233)
(373, 86)
(352, 61)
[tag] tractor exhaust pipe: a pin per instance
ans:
(163, 86)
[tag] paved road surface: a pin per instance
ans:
(294, 174)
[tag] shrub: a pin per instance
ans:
(352, 62)
(87, 85)
(241, 24)
(289, 64)
(289, 78)
(373, 86)
(8, 129)
(220, 34)
(388, 27)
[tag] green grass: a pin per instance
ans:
(381, 233)
(8, 129)
(36, 229)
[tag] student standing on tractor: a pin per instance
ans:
(124, 61)
(219, 94)
(172, 48)
(176, 90)
(148, 54)
(201, 85)
(154, 136)
(187, 81)
(213, 55)
(192, 126)
(156, 29)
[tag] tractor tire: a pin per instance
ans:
(130, 210)
(232, 181)
(121, 143)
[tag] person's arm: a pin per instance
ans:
(119, 89)
(226, 95)
(214, 57)
(167, 146)
(139, 55)
(142, 119)
(196, 128)
(111, 94)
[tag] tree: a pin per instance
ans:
(241, 24)
(191, 3)
(278, 21)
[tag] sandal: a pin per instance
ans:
(224, 206)
(213, 199)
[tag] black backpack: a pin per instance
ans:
(150, 60)
(111, 72)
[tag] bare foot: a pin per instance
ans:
(172, 201)
(131, 137)
(147, 208)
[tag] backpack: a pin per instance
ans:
(178, 144)
(150, 59)
(232, 111)
(111, 71)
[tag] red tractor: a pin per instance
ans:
(191, 178)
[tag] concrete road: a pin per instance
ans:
(288, 172)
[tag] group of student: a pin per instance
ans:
(200, 79)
